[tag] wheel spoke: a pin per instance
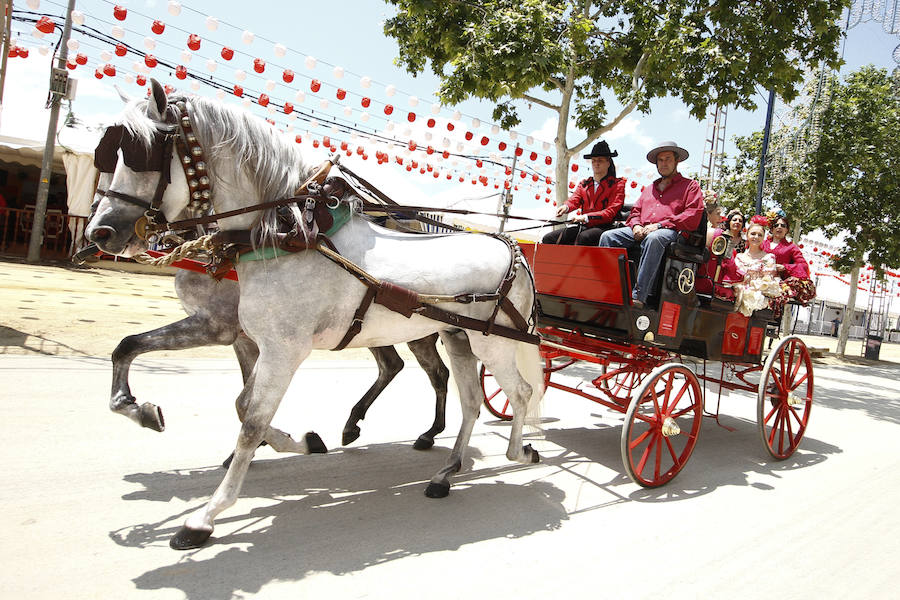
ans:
(676, 462)
(645, 455)
(659, 445)
(638, 440)
(798, 382)
(775, 427)
(771, 412)
(494, 395)
(668, 394)
(683, 411)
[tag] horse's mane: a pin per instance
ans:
(256, 151)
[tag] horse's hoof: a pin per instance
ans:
(315, 444)
(350, 436)
(535, 457)
(152, 417)
(423, 443)
(437, 490)
(188, 539)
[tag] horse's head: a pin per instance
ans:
(140, 176)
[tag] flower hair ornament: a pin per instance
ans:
(759, 220)
(772, 216)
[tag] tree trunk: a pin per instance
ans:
(848, 314)
(561, 174)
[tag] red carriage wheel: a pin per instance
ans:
(495, 399)
(785, 397)
(662, 425)
(618, 380)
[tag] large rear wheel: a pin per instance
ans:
(785, 397)
(662, 425)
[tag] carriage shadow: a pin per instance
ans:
(721, 458)
(354, 509)
(879, 402)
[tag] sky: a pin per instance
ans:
(349, 49)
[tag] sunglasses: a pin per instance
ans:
(779, 225)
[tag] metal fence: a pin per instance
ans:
(63, 233)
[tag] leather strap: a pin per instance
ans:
(357, 322)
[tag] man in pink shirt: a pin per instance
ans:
(671, 204)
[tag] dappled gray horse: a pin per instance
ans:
(462, 286)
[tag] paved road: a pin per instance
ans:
(89, 500)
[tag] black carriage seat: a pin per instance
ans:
(691, 246)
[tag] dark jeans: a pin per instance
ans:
(577, 235)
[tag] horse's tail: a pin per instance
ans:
(531, 367)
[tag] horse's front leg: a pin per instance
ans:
(265, 390)
(465, 370)
(389, 364)
(425, 351)
(192, 332)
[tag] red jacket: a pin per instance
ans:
(601, 203)
(788, 254)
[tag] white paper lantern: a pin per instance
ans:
(290, 126)
(245, 102)
(338, 72)
(129, 78)
(476, 123)
(300, 97)
(212, 23)
(390, 89)
(390, 126)
(37, 33)
(247, 37)
(529, 140)
(186, 56)
(117, 32)
(513, 135)
(240, 75)
(445, 142)
(270, 85)
(44, 50)
(310, 62)
(413, 101)
(270, 109)
(545, 146)
(313, 124)
(195, 85)
(174, 8)
(78, 17)
(495, 129)
(366, 82)
(407, 132)
(280, 50)
(33, 4)
(149, 43)
(435, 109)
(211, 66)
(220, 94)
(323, 103)
(348, 111)
(364, 117)
(428, 136)
(292, 116)
(72, 45)
(105, 56)
(459, 147)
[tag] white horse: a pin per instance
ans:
(304, 301)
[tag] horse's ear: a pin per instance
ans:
(125, 97)
(157, 106)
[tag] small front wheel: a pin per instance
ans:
(785, 397)
(662, 425)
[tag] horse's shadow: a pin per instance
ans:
(351, 510)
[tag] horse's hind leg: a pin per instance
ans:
(191, 332)
(264, 391)
(464, 365)
(425, 351)
(247, 352)
(389, 364)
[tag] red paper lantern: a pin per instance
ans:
(522, 174)
(436, 174)
(508, 170)
(484, 141)
(315, 85)
(411, 117)
(359, 150)
(264, 101)
(45, 25)
(535, 178)
(315, 143)
(519, 151)
(140, 80)
(109, 69)
(366, 101)
(23, 52)
(501, 146)
(415, 164)
(69, 65)
(238, 91)
(119, 12)
(98, 74)
(194, 42)
(287, 76)
(574, 168)
(548, 180)
(430, 122)
(388, 109)
(14, 52)
(259, 65)
(288, 108)
(450, 126)
(298, 139)
(429, 167)
(468, 136)
(571, 185)
(150, 61)
(180, 72)
(533, 156)
(412, 145)
(548, 160)
(168, 89)
(479, 163)
(121, 50)
(80, 58)
(429, 150)
(326, 141)
(158, 27)
(341, 93)
(449, 176)
(445, 154)
(461, 179)
(227, 53)
(634, 184)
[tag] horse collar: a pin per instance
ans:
(192, 159)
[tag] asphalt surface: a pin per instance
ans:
(89, 500)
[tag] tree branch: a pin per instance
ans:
(543, 103)
(593, 135)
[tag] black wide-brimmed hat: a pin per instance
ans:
(680, 152)
(601, 148)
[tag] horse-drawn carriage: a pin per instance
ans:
(585, 314)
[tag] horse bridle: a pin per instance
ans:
(174, 134)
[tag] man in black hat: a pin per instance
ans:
(671, 204)
(600, 199)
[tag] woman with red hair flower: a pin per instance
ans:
(789, 264)
(755, 282)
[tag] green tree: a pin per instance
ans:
(567, 55)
